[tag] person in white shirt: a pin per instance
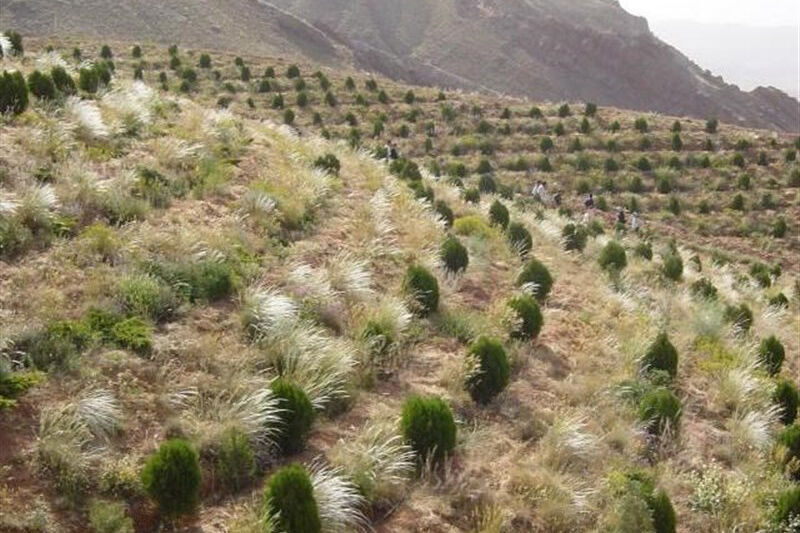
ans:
(635, 224)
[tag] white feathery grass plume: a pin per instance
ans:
(753, 428)
(708, 320)
(5, 46)
(175, 153)
(568, 439)
(338, 500)
(132, 103)
(256, 203)
(48, 60)
(182, 399)
(738, 386)
(222, 125)
(318, 363)
(54, 140)
(61, 433)
(87, 116)
(350, 276)
(267, 311)
(8, 204)
(101, 413)
(203, 251)
(376, 458)
(258, 415)
(38, 204)
(309, 283)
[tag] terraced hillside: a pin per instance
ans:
(211, 273)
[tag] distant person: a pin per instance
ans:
(588, 202)
(621, 216)
(393, 151)
(557, 198)
(635, 223)
(388, 149)
(537, 190)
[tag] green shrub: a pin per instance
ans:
(779, 300)
(661, 355)
(277, 101)
(172, 477)
(13, 93)
(787, 507)
(288, 117)
(56, 345)
(16, 43)
(471, 225)
(329, 163)
(788, 442)
(613, 257)
(644, 250)
(772, 353)
(663, 512)
(672, 268)
(520, 238)
(659, 409)
(148, 297)
(88, 80)
(444, 211)
(205, 61)
(41, 85)
(235, 461)
(787, 397)
(405, 169)
(529, 319)
(498, 214)
(741, 317)
(546, 144)
(422, 286)
(574, 237)
(132, 333)
(289, 496)
(486, 184)
(538, 277)
(109, 517)
(454, 255)
(779, 228)
(491, 374)
(297, 416)
(703, 288)
(472, 195)
(640, 124)
(428, 427)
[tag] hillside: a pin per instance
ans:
(178, 251)
(589, 50)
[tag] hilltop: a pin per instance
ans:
(589, 50)
(186, 236)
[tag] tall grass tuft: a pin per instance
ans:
(338, 500)
(87, 117)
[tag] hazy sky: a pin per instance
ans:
(749, 12)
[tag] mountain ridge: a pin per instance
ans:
(590, 50)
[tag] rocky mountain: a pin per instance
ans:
(589, 50)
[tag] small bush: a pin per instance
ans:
(105, 52)
(574, 237)
(779, 300)
(109, 517)
(663, 512)
(538, 277)
(711, 125)
(472, 196)
(444, 211)
(529, 319)
(772, 354)
(786, 397)
(703, 288)
(613, 257)
(788, 442)
(297, 416)
(328, 162)
(661, 355)
(422, 286)
(659, 409)
(41, 85)
(787, 507)
(172, 477)
(491, 374)
(288, 117)
(641, 125)
(235, 461)
(644, 250)
(486, 184)
(428, 427)
(498, 214)
(779, 228)
(13, 93)
(148, 297)
(132, 333)
(672, 268)
(289, 496)
(471, 225)
(454, 255)
(520, 238)
(741, 317)
(56, 345)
